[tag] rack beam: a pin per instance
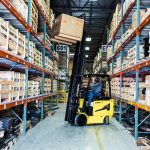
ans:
(145, 63)
(133, 103)
(4, 106)
(14, 58)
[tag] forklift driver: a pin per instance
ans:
(95, 91)
(97, 88)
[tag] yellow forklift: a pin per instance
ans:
(88, 109)
(79, 111)
(100, 109)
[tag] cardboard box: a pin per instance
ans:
(68, 27)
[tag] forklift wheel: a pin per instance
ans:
(106, 120)
(80, 120)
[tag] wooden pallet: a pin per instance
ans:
(15, 94)
(6, 91)
(34, 25)
(43, 6)
(13, 40)
(21, 7)
(65, 38)
(4, 34)
(21, 45)
(34, 11)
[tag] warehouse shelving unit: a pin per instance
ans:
(10, 61)
(141, 67)
(99, 67)
(64, 51)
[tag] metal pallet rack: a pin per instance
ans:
(13, 62)
(99, 65)
(141, 67)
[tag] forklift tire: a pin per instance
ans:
(106, 120)
(80, 120)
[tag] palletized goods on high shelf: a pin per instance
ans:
(100, 61)
(130, 58)
(47, 40)
(15, 42)
(34, 15)
(22, 7)
(11, 39)
(117, 17)
(128, 89)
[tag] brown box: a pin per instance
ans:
(68, 27)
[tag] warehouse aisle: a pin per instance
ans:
(54, 134)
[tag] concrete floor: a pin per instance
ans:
(55, 134)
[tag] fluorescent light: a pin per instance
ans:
(93, 0)
(86, 56)
(87, 48)
(71, 54)
(88, 39)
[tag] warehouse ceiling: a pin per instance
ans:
(98, 15)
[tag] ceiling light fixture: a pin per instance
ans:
(87, 48)
(71, 54)
(86, 56)
(88, 39)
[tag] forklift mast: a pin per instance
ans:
(78, 68)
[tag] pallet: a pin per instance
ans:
(15, 95)
(21, 94)
(13, 40)
(48, 40)
(4, 34)
(34, 11)
(60, 42)
(43, 6)
(6, 91)
(21, 7)
(21, 45)
(50, 113)
(65, 39)
(7, 75)
(34, 25)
